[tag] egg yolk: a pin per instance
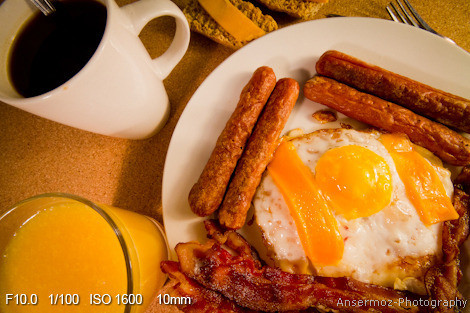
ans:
(315, 223)
(423, 186)
(356, 181)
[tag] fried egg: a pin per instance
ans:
(362, 182)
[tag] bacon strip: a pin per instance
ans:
(202, 300)
(442, 281)
(231, 239)
(455, 232)
(241, 279)
(219, 281)
(463, 180)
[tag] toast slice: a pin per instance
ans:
(200, 21)
(304, 9)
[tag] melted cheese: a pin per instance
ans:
(316, 225)
(232, 20)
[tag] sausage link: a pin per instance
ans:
(258, 154)
(447, 144)
(207, 193)
(449, 109)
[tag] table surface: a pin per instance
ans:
(38, 155)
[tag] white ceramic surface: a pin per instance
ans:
(293, 52)
(119, 92)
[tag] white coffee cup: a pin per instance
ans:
(119, 92)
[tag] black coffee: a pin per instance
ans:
(49, 50)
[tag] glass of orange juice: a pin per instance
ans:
(63, 253)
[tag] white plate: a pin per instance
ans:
(293, 52)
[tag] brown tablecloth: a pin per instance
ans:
(37, 155)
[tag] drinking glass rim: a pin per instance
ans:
(104, 215)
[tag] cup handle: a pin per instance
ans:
(143, 11)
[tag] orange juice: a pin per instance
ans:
(149, 249)
(59, 254)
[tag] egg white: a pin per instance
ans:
(386, 248)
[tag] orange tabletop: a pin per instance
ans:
(38, 156)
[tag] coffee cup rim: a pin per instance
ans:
(59, 89)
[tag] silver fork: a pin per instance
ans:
(45, 6)
(400, 14)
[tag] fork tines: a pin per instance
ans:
(406, 14)
(409, 16)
